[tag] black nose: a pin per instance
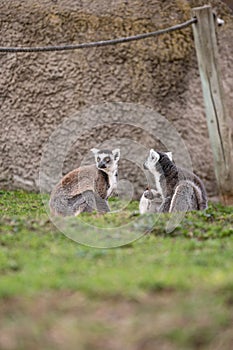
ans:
(102, 165)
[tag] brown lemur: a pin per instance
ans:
(87, 188)
(180, 189)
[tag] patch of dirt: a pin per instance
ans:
(58, 320)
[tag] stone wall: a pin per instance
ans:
(39, 91)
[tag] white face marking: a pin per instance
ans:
(106, 161)
(152, 159)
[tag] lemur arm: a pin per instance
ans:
(165, 206)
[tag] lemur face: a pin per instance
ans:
(149, 194)
(153, 159)
(106, 160)
(152, 195)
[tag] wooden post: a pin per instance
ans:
(217, 119)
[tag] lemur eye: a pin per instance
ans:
(98, 159)
(107, 160)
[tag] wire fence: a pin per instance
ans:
(99, 43)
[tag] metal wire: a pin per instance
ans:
(99, 43)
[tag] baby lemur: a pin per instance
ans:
(150, 201)
(180, 189)
(87, 188)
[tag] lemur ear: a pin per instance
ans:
(169, 154)
(116, 154)
(94, 150)
(154, 155)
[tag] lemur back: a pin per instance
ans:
(87, 188)
(180, 189)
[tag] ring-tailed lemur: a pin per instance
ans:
(150, 201)
(180, 189)
(87, 188)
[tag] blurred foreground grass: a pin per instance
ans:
(163, 291)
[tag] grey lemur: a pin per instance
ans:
(150, 201)
(87, 188)
(180, 189)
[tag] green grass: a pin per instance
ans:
(171, 291)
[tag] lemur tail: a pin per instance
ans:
(187, 196)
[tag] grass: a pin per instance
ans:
(163, 291)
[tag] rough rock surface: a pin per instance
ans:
(39, 91)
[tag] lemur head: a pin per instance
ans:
(151, 194)
(106, 160)
(156, 160)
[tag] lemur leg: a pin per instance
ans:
(164, 207)
(101, 204)
(84, 202)
(59, 206)
(183, 199)
(88, 202)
